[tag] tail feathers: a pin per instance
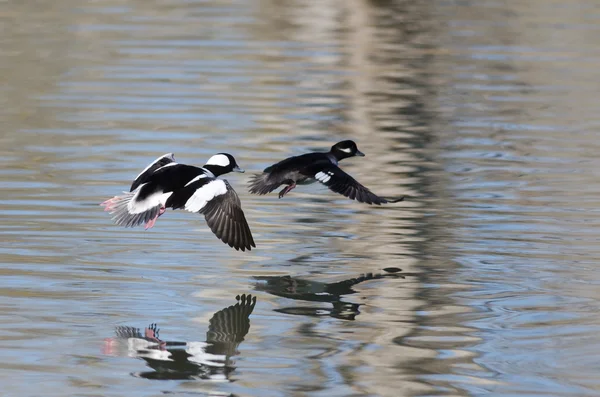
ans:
(119, 207)
(260, 184)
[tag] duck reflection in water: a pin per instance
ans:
(210, 360)
(315, 291)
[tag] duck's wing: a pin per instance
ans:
(163, 186)
(221, 206)
(338, 181)
(144, 176)
(229, 326)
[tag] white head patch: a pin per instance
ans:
(218, 159)
(347, 150)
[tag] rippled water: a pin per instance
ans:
(483, 113)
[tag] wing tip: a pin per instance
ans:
(376, 200)
(247, 246)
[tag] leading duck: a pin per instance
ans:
(317, 166)
(168, 184)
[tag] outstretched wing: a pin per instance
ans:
(340, 182)
(221, 206)
(144, 176)
(229, 326)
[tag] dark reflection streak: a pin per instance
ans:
(315, 291)
(387, 46)
(404, 96)
(418, 112)
(173, 360)
(439, 269)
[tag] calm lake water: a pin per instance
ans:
(483, 113)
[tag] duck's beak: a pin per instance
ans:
(359, 153)
(237, 169)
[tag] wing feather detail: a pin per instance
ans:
(229, 326)
(222, 209)
(340, 182)
(144, 176)
(137, 207)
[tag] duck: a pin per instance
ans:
(335, 293)
(167, 184)
(212, 359)
(317, 167)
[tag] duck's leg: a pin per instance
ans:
(287, 189)
(152, 221)
(151, 334)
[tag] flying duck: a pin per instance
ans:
(317, 166)
(168, 184)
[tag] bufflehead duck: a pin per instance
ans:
(318, 291)
(168, 184)
(317, 166)
(177, 360)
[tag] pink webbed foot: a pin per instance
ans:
(287, 189)
(151, 334)
(110, 346)
(151, 222)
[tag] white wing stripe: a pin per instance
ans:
(323, 177)
(170, 156)
(197, 179)
(166, 165)
(207, 172)
(204, 194)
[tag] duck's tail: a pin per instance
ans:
(119, 207)
(260, 184)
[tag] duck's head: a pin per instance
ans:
(222, 163)
(345, 149)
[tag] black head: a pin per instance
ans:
(345, 149)
(222, 163)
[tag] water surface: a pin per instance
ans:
(482, 113)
